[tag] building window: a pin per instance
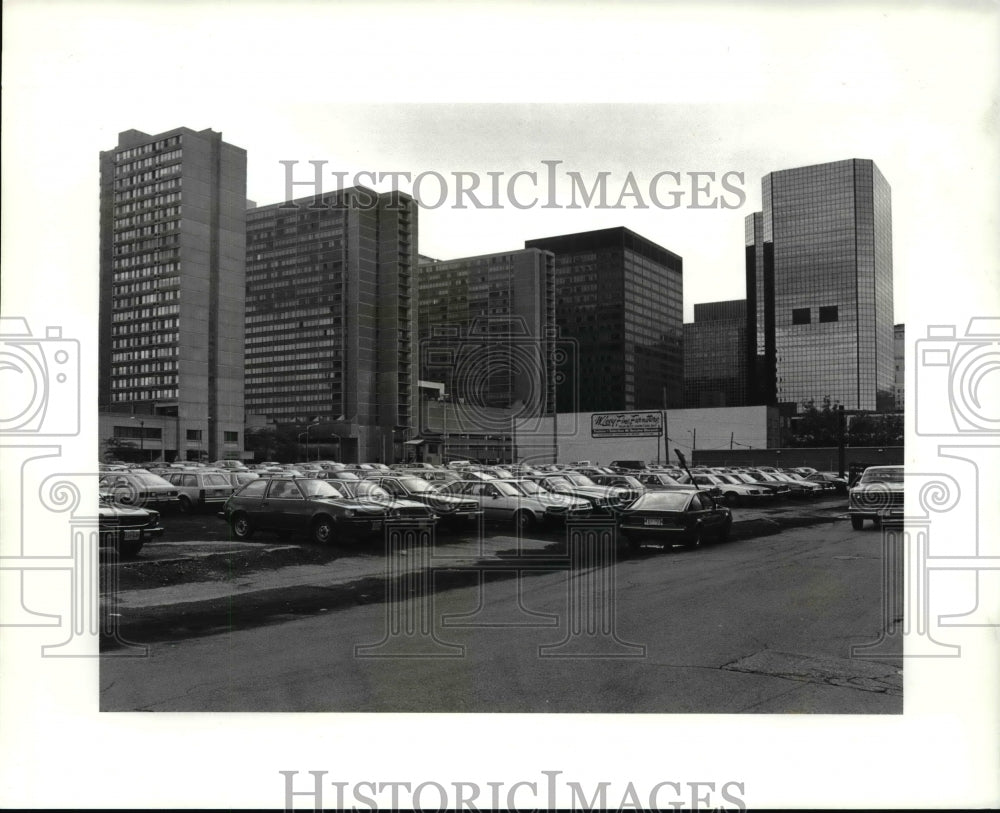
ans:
(194, 434)
(800, 316)
(828, 313)
(231, 437)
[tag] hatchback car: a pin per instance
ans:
(669, 517)
(501, 501)
(294, 505)
(126, 528)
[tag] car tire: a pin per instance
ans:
(323, 531)
(857, 523)
(129, 550)
(184, 505)
(524, 521)
(241, 527)
(726, 528)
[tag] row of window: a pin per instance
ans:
(165, 379)
(161, 394)
(148, 217)
(148, 189)
(126, 342)
(124, 168)
(803, 316)
(157, 287)
(147, 204)
(163, 258)
(146, 149)
(144, 313)
(148, 327)
(147, 176)
(145, 353)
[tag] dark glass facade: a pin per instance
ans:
(331, 316)
(715, 349)
(485, 329)
(819, 287)
(619, 299)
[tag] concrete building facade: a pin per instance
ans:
(172, 275)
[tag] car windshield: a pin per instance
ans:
(321, 488)
(528, 487)
(631, 482)
(148, 479)
(366, 488)
(505, 488)
(727, 478)
(580, 480)
(662, 501)
(557, 483)
(888, 475)
(416, 485)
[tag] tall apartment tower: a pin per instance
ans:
(619, 301)
(172, 254)
(331, 317)
(819, 287)
(486, 329)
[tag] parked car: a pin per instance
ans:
(126, 528)
(603, 499)
(630, 487)
(839, 483)
(669, 517)
(372, 492)
(501, 501)
(878, 496)
(237, 465)
(735, 491)
(238, 478)
(139, 487)
(301, 505)
(450, 508)
(661, 481)
(558, 507)
(200, 488)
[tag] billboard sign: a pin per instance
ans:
(626, 424)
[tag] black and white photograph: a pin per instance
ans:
(491, 406)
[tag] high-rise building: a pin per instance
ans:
(715, 348)
(899, 353)
(619, 300)
(331, 318)
(819, 287)
(486, 329)
(172, 254)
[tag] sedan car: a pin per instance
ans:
(502, 501)
(669, 517)
(449, 507)
(878, 496)
(139, 487)
(301, 505)
(126, 528)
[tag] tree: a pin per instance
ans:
(814, 425)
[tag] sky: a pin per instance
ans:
(629, 87)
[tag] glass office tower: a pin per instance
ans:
(619, 298)
(819, 287)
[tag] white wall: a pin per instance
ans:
(708, 428)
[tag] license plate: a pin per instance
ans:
(131, 536)
(654, 521)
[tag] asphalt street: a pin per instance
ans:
(756, 625)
